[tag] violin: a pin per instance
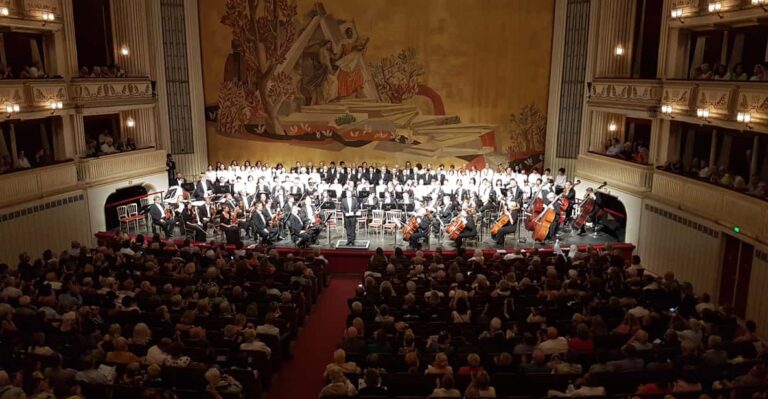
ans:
(275, 219)
(168, 214)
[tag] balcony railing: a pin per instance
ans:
(697, 15)
(33, 95)
(626, 175)
(111, 91)
(122, 165)
(724, 100)
(36, 183)
(728, 207)
(33, 14)
(627, 93)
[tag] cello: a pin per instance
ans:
(565, 202)
(536, 207)
(586, 208)
(410, 228)
(455, 227)
(545, 220)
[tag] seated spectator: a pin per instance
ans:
(252, 343)
(22, 162)
(158, 353)
(739, 73)
(380, 343)
(340, 363)
(84, 73)
(338, 387)
(268, 328)
(715, 356)
(120, 352)
(582, 342)
(38, 346)
(640, 341)
(480, 387)
(473, 367)
(372, 382)
(759, 73)
(351, 343)
(586, 387)
(440, 365)
(630, 362)
(219, 383)
(176, 356)
(446, 388)
(615, 148)
(537, 364)
(554, 343)
(5, 72)
(721, 72)
(705, 72)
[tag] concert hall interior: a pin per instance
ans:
(383, 199)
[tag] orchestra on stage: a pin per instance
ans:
(271, 203)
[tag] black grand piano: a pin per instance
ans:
(612, 215)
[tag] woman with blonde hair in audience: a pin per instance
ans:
(141, 334)
(340, 363)
(120, 353)
(446, 388)
(339, 386)
(759, 74)
(440, 365)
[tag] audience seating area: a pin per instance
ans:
(515, 326)
(140, 318)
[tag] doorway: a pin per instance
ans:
(735, 274)
(123, 196)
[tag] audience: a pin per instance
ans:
(719, 175)
(718, 71)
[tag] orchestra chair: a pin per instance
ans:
(362, 220)
(122, 215)
(377, 221)
(135, 218)
(392, 221)
(332, 223)
(147, 217)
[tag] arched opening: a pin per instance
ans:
(612, 216)
(123, 196)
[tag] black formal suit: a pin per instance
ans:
(261, 227)
(421, 232)
(508, 228)
(200, 190)
(516, 194)
(470, 231)
(350, 208)
(331, 175)
(157, 213)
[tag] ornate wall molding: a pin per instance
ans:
(717, 97)
(39, 93)
(625, 93)
(87, 91)
(680, 95)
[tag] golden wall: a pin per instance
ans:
(486, 59)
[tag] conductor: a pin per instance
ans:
(351, 210)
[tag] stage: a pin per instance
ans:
(343, 260)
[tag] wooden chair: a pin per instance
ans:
(136, 219)
(362, 220)
(122, 215)
(391, 221)
(377, 221)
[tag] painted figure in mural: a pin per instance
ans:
(350, 75)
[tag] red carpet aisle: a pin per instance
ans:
(302, 377)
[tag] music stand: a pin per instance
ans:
(363, 194)
(381, 195)
(399, 195)
(387, 207)
(331, 194)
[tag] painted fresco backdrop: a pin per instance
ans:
(387, 80)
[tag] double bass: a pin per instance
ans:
(410, 228)
(455, 228)
(536, 208)
(545, 220)
(586, 208)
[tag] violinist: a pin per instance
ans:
(206, 212)
(446, 211)
(158, 213)
(192, 221)
(569, 194)
(230, 225)
(470, 230)
(507, 222)
(300, 236)
(424, 218)
(308, 212)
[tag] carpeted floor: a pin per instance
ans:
(302, 377)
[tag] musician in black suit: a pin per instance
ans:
(260, 224)
(515, 193)
(202, 188)
(595, 209)
(556, 204)
(569, 193)
(157, 213)
(508, 227)
(192, 221)
(425, 220)
(470, 230)
(371, 202)
(300, 236)
(351, 210)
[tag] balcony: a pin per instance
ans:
(32, 95)
(100, 92)
(120, 166)
(696, 14)
(727, 207)
(29, 184)
(628, 176)
(38, 15)
(635, 94)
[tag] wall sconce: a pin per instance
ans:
(47, 17)
(619, 50)
(666, 109)
(54, 105)
(130, 122)
(4, 11)
(124, 51)
(715, 7)
(761, 3)
(703, 113)
(612, 127)
(12, 108)
(745, 118)
(677, 14)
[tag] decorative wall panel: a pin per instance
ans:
(112, 167)
(627, 175)
(35, 183)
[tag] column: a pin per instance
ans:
(78, 132)
(143, 130)
(4, 152)
(713, 149)
(617, 20)
(754, 162)
(656, 149)
(129, 29)
(14, 150)
(70, 42)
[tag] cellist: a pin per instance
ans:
(425, 220)
(569, 193)
(507, 209)
(553, 201)
(470, 230)
(590, 194)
